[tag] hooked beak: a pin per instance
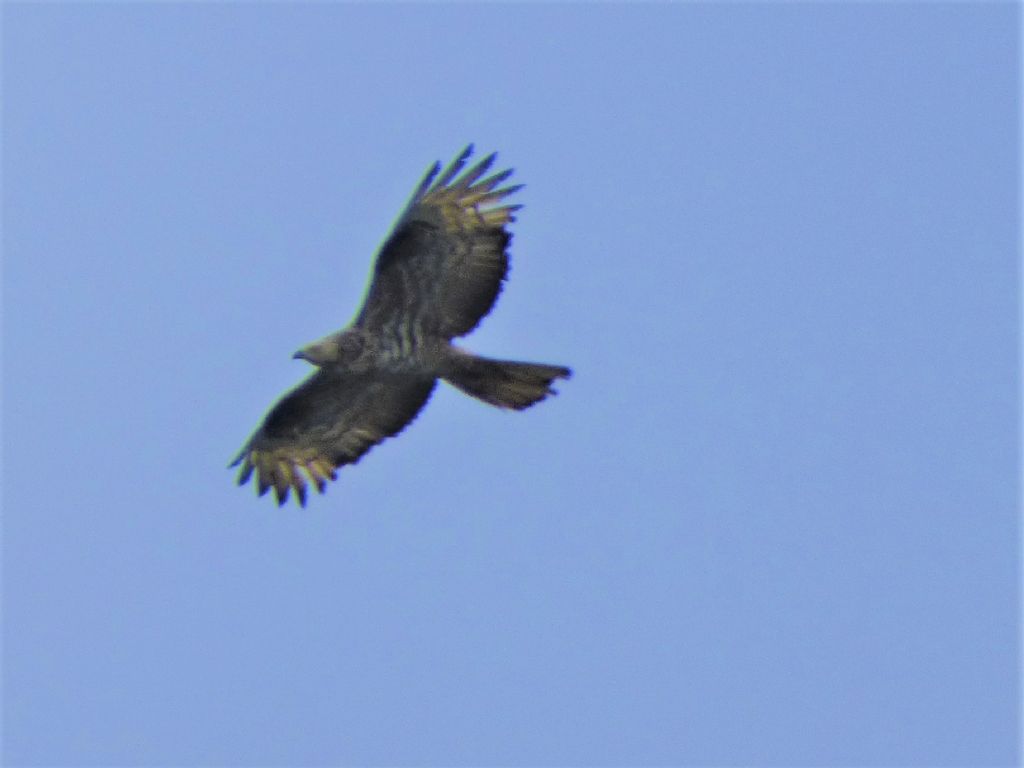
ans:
(300, 355)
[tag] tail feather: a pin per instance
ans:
(503, 383)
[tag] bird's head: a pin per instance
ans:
(322, 352)
(337, 349)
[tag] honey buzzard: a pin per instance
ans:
(436, 276)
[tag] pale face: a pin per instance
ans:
(341, 348)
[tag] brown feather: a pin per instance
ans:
(438, 273)
(327, 421)
(442, 267)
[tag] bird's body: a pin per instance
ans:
(436, 275)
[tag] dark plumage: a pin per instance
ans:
(438, 273)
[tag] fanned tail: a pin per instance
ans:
(503, 383)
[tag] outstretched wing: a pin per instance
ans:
(327, 421)
(441, 268)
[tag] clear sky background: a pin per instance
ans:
(771, 520)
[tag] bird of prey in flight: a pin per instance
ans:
(436, 276)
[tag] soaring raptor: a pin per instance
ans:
(436, 276)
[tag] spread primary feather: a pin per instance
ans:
(438, 273)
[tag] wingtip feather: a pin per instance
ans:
(245, 472)
(281, 494)
(478, 170)
(453, 169)
(492, 181)
(425, 182)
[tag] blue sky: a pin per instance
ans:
(771, 520)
